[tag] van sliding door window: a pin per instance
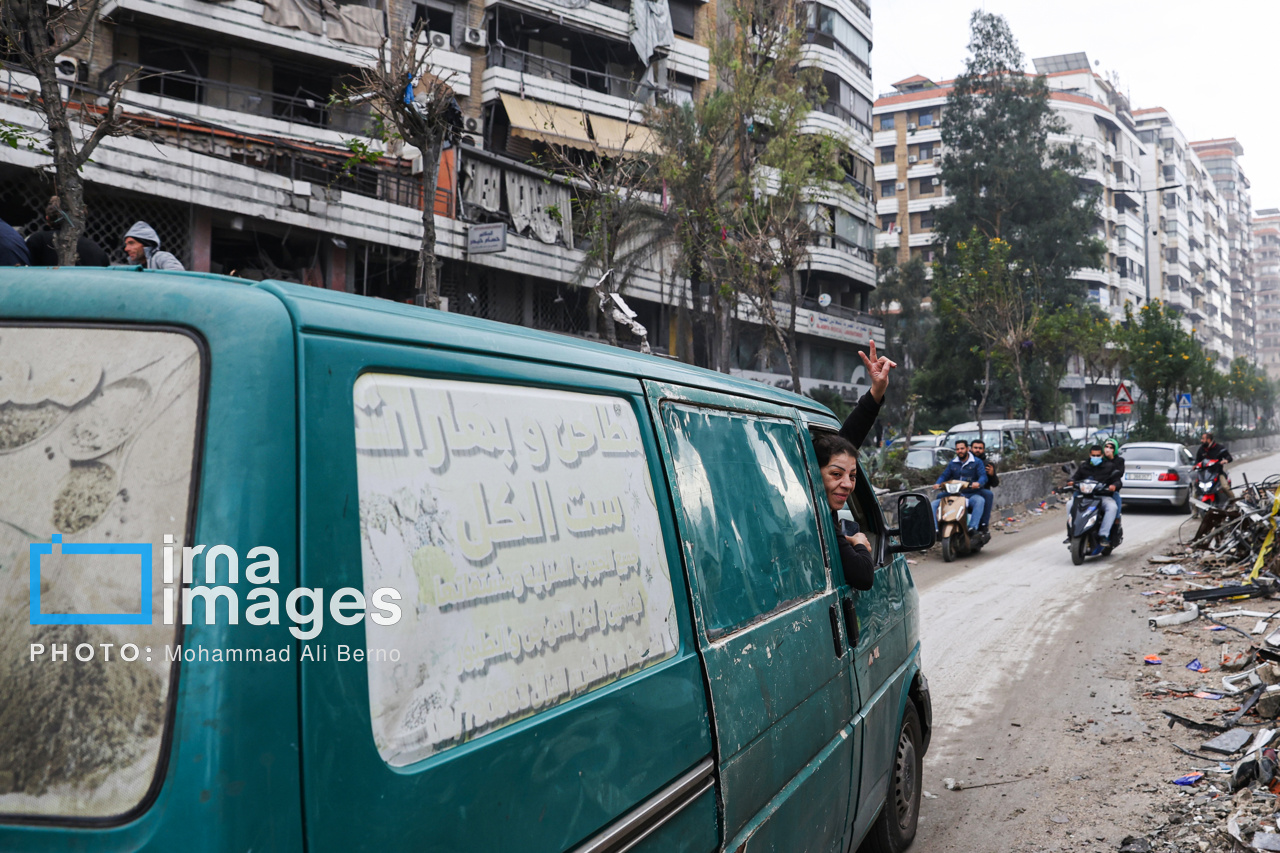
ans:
(748, 513)
(519, 526)
(98, 434)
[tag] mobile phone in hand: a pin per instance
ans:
(849, 527)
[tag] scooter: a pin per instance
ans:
(1206, 489)
(953, 524)
(1085, 519)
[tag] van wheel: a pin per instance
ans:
(1077, 551)
(948, 550)
(895, 828)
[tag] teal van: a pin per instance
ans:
(293, 570)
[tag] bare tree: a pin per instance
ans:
(38, 32)
(621, 224)
(421, 107)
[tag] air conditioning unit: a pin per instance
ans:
(911, 158)
(901, 185)
(470, 124)
(911, 125)
(66, 70)
(477, 37)
(440, 40)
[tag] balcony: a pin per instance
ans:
(208, 97)
(833, 255)
(532, 75)
(847, 118)
(241, 20)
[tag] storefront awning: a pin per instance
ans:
(547, 122)
(613, 135)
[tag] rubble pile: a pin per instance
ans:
(1212, 676)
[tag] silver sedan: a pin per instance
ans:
(1156, 472)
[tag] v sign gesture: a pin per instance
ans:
(878, 369)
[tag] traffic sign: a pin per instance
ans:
(1124, 408)
(1123, 395)
(1184, 401)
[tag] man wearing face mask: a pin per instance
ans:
(1102, 470)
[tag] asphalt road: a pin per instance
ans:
(1021, 648)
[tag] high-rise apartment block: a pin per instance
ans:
(1173, 215)
(1266, 276)
(240, 157)
(908, 143)
(1221, 158)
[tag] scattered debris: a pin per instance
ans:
(1135, 844)
(1153, 660)
(1196, 666)
(1188, 780)
(1229, 743)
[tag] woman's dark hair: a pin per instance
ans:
(828, 444)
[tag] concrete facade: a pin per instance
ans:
(240, 157)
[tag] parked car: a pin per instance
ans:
(561, 596)
(1003, 435)
(923, 458)
(928, 440)
(1059, 435)
(1157, 472)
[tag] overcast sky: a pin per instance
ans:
(1212, 65)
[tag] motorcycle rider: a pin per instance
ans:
(967, 468)
(979, 449)
(1097, 467)
(1210, 449)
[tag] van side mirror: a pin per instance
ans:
(917, 528)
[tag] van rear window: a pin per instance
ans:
(97, 447)
(520, 528)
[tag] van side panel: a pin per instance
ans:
(542, 784)
(230, 780)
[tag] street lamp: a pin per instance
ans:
(1146, 228)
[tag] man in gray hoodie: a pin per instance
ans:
(142, 246)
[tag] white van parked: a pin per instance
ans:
(1002, 435)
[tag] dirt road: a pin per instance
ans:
(1030, 662)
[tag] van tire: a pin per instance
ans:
(895, 828)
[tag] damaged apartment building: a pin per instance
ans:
(240, 155)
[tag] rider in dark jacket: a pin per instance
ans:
(1210, 449)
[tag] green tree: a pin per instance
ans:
(995, 297)
(738, 173)
(899, 303)
(1161, 357)
(1005, 177)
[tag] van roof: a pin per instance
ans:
(1008, 423)
(334, 312)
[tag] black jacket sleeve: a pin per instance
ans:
(859, 568)
(993, 479)
(860, 420)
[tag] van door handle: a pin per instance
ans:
(850, 620)
(835, 630)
